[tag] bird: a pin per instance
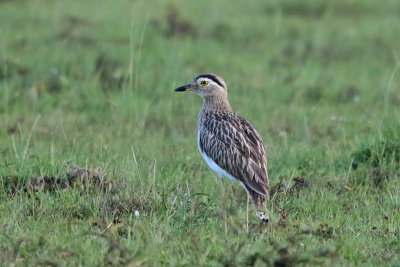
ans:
(229, 144)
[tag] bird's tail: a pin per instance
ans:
(259, 204)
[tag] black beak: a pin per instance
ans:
(183, 88)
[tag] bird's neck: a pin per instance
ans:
(215, 103)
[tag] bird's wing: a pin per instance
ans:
(235, 146)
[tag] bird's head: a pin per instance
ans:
(206, 85)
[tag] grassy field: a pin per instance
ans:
(98, 157)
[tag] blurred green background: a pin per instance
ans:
(90, 84)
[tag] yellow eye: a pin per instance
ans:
(203, 83)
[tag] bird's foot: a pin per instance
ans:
(263, 216)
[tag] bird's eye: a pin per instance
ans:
(203, 83)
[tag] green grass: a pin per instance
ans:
(91, 83)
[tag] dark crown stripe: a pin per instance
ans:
(211, 77)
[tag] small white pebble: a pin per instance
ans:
(282, 133)
(334, 118)
(137, 213)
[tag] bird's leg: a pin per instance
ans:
(224, 202)
(225, 208)
(247, 214)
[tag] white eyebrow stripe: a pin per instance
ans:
(212, 77)
(199, 80)
(204, 79)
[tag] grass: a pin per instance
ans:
(91, 85)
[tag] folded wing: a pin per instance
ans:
(235, 146)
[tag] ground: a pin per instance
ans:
(98, 156)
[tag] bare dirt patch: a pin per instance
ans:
(76, 177)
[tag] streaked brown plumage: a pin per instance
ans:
(229, 144)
